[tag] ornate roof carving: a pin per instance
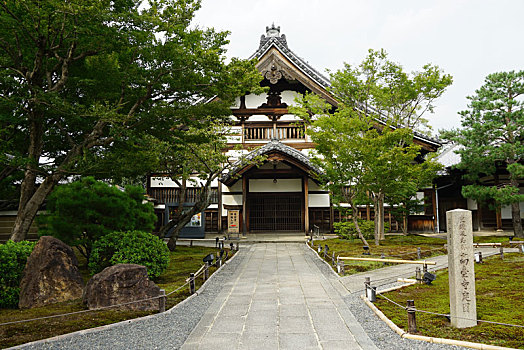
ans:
(273, 146)
(274, 38)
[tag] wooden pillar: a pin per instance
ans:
(434, 205)
(244, 204)
(331, 215)
(219, 194)
(305, 188)
(479, 217)
(498, 215)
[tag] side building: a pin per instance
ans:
(282, 194)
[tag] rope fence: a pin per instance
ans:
(412, 308)
(190, 280)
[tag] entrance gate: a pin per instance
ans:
(275, 212)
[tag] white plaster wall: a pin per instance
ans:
(289, 96)
(506, 211)
(235, 199)
(282, 185)
(289, 118)
(472, 204)
(236, 104)
(259, 118)
(237, 187)
(234, 154)
(253, 101)
(312, 186)
(318, 200)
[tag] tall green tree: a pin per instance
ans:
(492, 136)
(388, 104)
(84, 82)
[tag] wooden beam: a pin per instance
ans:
(397, 261)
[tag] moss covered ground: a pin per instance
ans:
(500, 298)
(183, 261)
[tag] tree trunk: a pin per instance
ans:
(375, 220)
(515, 211)
(184, 218)
(381, 228)
(355, 221)
(27, 213)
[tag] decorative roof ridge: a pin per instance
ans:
(273, 145)
(280, 42)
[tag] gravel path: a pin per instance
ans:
(164, 331)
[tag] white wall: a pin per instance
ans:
(506, 211)
(318, 200)
(253, 101)
(282, 185)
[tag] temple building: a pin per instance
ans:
(282, 194)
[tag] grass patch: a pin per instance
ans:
(500, 298)
(396, 246)
(183, 261)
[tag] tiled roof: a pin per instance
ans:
(273, 146)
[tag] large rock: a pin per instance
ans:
(121, 284)
(51, 275)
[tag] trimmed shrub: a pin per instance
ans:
(346, 229)
(13, 258)
(132, 247)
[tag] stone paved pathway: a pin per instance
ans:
(279, 300)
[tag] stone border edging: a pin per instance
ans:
(404, 334)
(324, 261)
(112, 325)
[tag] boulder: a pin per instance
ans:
(120, 284)
(51, 275)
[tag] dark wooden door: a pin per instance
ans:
(275, 212)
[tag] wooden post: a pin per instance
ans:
(370, 291)
(412, 318)
(325, 251)
(418, 275)
(383, 256)
(480, 258)
(162, 301)
(218, 260)
(219, 211)
(191, 243)
(501, 252)
(206, 272)
(305, 187)
(333, 258)
(244, 204)
(342, 268)
(191, 283)
(521, 248)
(418, 254)
(237, 247)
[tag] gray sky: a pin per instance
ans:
(468, 39)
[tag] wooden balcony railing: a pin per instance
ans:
(267, 133)
(172, 195)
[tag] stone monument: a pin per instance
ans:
(462, 298)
